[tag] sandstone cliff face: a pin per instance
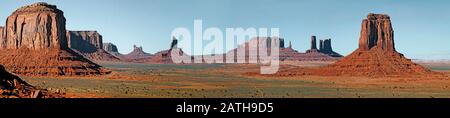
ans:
(89, 44)
(174, 43)
(1, 34)
(11, 86)
(376, 56)
(85, 41)
(313, 48)
(313, 42)
(110, 47)
(325, 47)
(10, 81)
(36, 26)
(36, 45)
(376, 31)
(281, 42)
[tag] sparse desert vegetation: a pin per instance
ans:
(230, 81)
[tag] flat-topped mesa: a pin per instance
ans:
(35, 26)
(38, 7)
(377, 33)
(85, 41)
(89, 44)
(35, 44)
(110, 47)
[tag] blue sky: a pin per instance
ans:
(422, 27)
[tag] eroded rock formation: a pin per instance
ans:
(252, 49)
(84, 41)
(281, 42)
(89, 44)
(10, 82)
(289, 54)
(37, 26)
(1, 34)
(376, 31)
(313, 48)
(35, 44)
(111, 49)
(285, 54)
(313, 43)
(174, 43)
(325, 47)
(137, 55)
(165, 56)
(11, 86)
(290, 45)
(376, 55)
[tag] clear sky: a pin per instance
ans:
(422, 27)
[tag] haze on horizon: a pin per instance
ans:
(422, 28)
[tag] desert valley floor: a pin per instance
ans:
(133, 80)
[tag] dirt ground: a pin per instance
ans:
(131, 80)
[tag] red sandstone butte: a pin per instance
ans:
(89, 44)
(111, 49)
(165, 56)
(137, 55)
(324, 48)
(35, 44)
(376, 55)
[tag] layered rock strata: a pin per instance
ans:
(90, 45)
(35, 44)
(376, 55)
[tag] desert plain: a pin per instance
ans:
(137, 80)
